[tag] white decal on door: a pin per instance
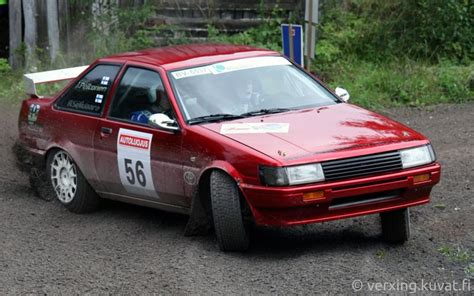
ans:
(133, 157)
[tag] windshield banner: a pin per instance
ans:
(234, 65)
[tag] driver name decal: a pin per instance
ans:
(134, 162)
(254, 128)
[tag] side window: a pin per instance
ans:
(88, 94)
(139, 95)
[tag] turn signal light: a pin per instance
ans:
(313, 195)
(421, 178)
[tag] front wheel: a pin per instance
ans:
(231, 232)
(68, 183)
(396, 226)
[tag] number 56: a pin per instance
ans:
(138, 172)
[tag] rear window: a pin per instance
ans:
(88, 94)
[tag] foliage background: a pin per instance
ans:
(386, 53)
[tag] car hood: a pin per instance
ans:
(319, 130)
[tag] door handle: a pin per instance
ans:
(105, 131)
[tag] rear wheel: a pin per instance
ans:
(396, 226)
(69, 185)
(231, 232)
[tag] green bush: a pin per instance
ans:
(418, 29)
(4, 66)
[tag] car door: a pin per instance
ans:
(132, 158)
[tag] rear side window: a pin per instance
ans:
(88, 94)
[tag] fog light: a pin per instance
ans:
(313, 195)
(421, 178)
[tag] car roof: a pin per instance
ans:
(183, 56)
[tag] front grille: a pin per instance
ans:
(362, 165)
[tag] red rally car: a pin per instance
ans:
(233, 136)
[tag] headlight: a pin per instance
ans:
(284, 176)
(417, 156)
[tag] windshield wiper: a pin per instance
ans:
(265, 111)
(214, 117)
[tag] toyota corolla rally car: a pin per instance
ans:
(234, 136)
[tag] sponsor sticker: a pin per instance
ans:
(33, 113)
(249, 63)
(133, 141)
(254, 128)
(191, 72)
(134, 163)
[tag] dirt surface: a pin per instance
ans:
(125, 249)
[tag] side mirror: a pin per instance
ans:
(342, 93)
(162, 121)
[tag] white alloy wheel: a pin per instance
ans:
(64, 177)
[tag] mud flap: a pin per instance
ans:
(199, 222)
(35, 168)
(40, 184)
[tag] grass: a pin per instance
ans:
(380, 254)
(460, 255)
(402, 83)
(455, 253)
(11, 88)
(470, 270)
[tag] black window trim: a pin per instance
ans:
(65, 109)
(117, 119)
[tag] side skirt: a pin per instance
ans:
(145, 202)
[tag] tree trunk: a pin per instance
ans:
(15, 33)
(53, 28)
(65, 26)
(103, 15)
(29, 12)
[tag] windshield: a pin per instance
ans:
(246, 87)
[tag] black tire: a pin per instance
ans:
(396, 226)
(84, 199)
(231, 232)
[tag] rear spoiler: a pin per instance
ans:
(32, 79)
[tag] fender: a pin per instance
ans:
(223, 166)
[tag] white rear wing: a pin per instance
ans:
(32, 79)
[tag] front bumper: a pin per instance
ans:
(284, 206)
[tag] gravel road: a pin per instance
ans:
(126, 249)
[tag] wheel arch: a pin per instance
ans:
(56, 147)
(200, 220)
